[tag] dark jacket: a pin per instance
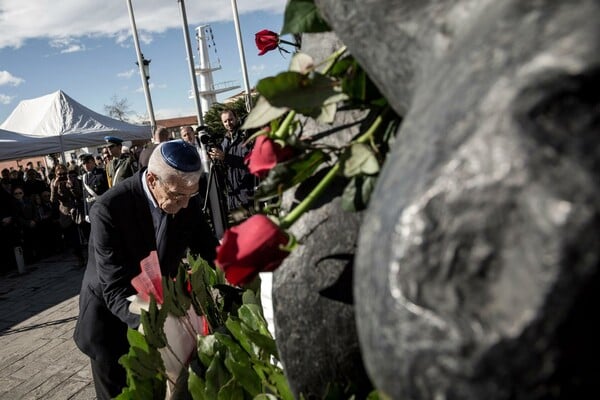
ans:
(239, 181)
(145, 155)
(94, 183)
(122, 235)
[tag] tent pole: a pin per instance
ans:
(140, 63)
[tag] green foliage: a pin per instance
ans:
(302, 16)
(237, 360)
(212, 117)
(288, 174)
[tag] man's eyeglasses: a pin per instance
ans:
(174, 195)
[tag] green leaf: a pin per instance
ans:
(266, 344)
(216, 377)
(376, 395)
(266, 396)
(290, 173)
(262, 113)
(302, 16)
(136, 339)
(235, 327)
(281, 383)
(196, 386)
(305, 94)
(206, 350)
(357, 193)
(153, 322)
(251, 315)
(234, 347)
(359, 159)
(244, 375)
(231, 391)
(249, 297)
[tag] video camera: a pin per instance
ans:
(206, 138)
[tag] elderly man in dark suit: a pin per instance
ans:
(156, 209)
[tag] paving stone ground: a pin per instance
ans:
(38, 310)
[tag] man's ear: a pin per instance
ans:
(151, 179)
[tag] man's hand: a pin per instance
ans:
(216, 154)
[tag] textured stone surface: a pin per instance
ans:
(479, 255)
(312, 290)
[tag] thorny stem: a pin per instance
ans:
(290, 218)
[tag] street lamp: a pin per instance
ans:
(146, 66)
(144, 69)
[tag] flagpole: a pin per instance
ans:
(141, 62)
(238, 34)
(192, 68)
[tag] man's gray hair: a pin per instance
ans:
(159, 167)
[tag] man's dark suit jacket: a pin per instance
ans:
(122, 234)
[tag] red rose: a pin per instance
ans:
(250, 248)
(266, 153)
(266, 40)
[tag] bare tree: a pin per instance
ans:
(119, 108)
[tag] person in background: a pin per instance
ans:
(94, 183)
(155, 210)
(66, 191)
(16, 178)
(9, 212)
(26, 223)
(5, 181)
(239, 182)
(187, 134)
(161, 134)
(34, 184)
(48, 224)
(122, 165)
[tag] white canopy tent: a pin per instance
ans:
(15, 145)
(65, 121)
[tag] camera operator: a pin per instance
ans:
(65, 189)
(239, 182)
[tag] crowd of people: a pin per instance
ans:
(42, 212)
(45, 212)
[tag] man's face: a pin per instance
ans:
(229, 121)
(89, 164)
(171, 196)
(114, 149)
(187, 134)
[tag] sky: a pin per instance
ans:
(86, 49)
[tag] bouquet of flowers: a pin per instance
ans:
(199, 337)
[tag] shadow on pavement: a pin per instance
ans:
(45, 284)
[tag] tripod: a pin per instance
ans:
(213, 199)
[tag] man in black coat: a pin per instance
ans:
(94, 182)
(156, 209)
(239, 182)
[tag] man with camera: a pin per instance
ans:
(239, 182)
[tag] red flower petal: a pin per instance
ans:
(250, 248)
(266, 40)
(266, 153)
